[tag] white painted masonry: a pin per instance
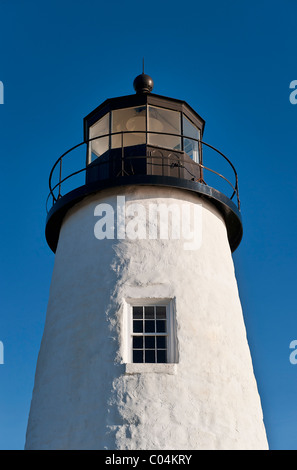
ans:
(86, 395)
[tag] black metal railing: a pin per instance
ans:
(168, 160)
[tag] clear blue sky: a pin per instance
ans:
(232, 62)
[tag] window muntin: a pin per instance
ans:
(191, 147)
(151, 335)
(165, 121)
(99, 146)
(128, 119)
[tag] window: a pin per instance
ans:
(191, 146)
(128, 119)
(165, 121)
(99, 146)
(152, 335)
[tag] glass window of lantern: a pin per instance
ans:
(127, 120)
(191, 147)
(99, 146)
(165, 121)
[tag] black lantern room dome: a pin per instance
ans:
(144, 139)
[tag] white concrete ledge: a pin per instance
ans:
(169, 369)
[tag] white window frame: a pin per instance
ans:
(172, 356)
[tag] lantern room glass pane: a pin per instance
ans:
(165, 121)
(127, 120)
(99, 146)
(191, 147)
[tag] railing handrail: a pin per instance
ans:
(110, 134)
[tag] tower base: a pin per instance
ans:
(88, 394)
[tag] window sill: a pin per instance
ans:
(169, 369)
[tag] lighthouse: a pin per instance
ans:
(144, 343)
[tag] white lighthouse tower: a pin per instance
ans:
(144, 344)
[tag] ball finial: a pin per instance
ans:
(143, 83)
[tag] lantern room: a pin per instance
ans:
(143, 134)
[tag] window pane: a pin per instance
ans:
(150, 356)
(165, 121)
(137, 356)
(149, 326)
(161, 356)
(160, 312)
(138, 342)
(161, 342)
(149, 312)
(137, 326)
(137, 312)
(150, 342)
(98, 146)
(128, 119)
(161, 326)
(191, 146)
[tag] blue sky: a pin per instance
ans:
(233, 63)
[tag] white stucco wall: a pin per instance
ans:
(87, 397)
